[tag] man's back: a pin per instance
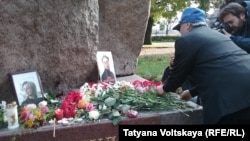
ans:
(220, 68)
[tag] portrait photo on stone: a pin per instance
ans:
(27, 86)
(106, 67)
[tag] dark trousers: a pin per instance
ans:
(240, 117)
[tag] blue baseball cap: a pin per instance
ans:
(191, 15)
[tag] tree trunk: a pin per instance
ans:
(148, 39)
(167, 29)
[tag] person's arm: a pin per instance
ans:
(189, 93)
(185, 95)
(165, 74)
(194, 91)
(183, 64)
(242, 42)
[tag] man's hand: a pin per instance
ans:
(159, 90)
(186, 95)
(226, 33)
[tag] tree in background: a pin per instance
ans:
(168, 9)
(162, 8)
(205, 4)
(217, 3)
(170, 22)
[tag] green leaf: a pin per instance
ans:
(115, 113)
(124, 108)
(125, 101)
(116, 120)
(110, 101)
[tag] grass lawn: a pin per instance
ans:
(152, 67)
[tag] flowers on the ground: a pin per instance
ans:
(94, 101)
(69, 105)
(132, 113)
(94, 115)
(33, 116)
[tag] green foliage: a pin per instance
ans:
(3, 118)
(110, 101)
(152, 67)
(151, 101)
(119, 100)
(217, 3)
(167, 8)
(162, 26)
(204, 4)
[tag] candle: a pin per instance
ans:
(59, 114)
(12, 116)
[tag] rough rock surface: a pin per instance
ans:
(122, 28)
(59, 39)
(56, 38)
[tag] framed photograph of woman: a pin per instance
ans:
(27, 87)
(106, 67)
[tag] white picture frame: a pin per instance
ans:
(20, 79)
(101, 67)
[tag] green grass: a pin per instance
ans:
(152, 67)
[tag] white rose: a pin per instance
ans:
(104, 107)
(84, 88)
(31, 106)
(94, 114)
(42, 103)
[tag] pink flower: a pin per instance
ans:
(31, 116)
(42, 103)
(141, 89)
(132, 113)
(44, 109)
(137, 83)
(90, 107)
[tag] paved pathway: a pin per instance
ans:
(163, 44)
(158, 48)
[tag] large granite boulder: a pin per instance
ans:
(59, 39)
(122, 29)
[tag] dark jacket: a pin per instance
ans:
(32, 101)
(108, 76)
(188, 84)
(220, 68)
(242, 38)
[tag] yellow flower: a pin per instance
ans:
(38, 115)
(29, 123)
